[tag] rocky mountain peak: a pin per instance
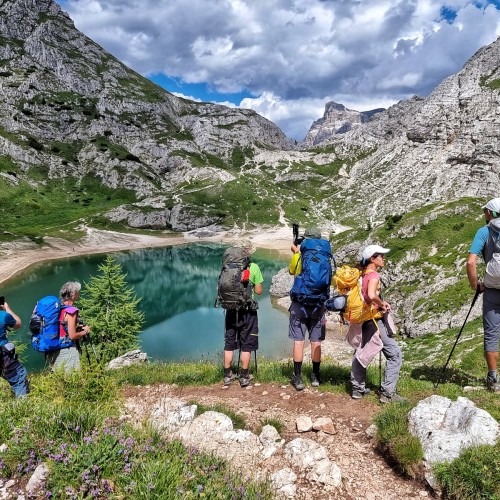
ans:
(337, 119)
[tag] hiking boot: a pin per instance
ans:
(492, 385)
(297, 382)
(315, 380)
(229, 379)
(395, 398)
(359, 394)
(245, 381)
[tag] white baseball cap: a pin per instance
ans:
(371, 250)
(493, 205)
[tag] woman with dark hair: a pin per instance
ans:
(373, 258)
(68, 358)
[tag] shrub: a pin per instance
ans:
(110, 308)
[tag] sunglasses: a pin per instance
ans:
(378, 255)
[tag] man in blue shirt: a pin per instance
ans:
(484, 245)
(10, 367)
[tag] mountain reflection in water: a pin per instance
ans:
(177, 286)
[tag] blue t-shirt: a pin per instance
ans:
(6, 321)
(479, 241)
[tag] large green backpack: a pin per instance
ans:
(234, 290)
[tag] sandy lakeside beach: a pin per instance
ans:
(19, 255)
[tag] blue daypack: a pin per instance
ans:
(312, 285)
(45, 325)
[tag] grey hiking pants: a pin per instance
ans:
(392, 354)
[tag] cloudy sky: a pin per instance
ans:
(286, 58)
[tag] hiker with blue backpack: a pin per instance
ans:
(62, 349)
(311, 266)
(10, 367)
(487, 244)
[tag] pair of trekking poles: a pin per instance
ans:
(85, 341)
(443, 370)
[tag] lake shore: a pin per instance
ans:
(19, 255)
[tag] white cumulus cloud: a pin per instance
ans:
(294, 55)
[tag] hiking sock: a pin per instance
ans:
(244, 373)
(297, 368)
(316, 368)
(492, 374)
(227, 372)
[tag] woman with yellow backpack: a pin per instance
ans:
(373, 258)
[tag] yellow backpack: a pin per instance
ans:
(347, 282)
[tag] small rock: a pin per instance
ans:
(324, 424)
(371, 431)
(262, 408)
(286, 396)
(472, 388)
(3, 448)
(257, 384)
(37, 480)
(304, 423)
(265, 393)
(10, 483)
(423, 493)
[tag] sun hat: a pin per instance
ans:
(493, 205)
(371, 250)
(312, 232)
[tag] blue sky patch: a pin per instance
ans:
(199, 90)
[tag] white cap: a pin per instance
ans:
(371, 250)
(493, 205)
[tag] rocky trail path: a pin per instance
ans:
(350, 444)
(365, 473)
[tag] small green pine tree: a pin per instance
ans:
(109, 306)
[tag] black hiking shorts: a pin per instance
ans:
(242, 330)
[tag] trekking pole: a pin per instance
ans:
(87, 353)
(380, 370)
(478, 292)
(255, 362)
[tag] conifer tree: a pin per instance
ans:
(110, 307)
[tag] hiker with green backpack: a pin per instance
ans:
(238, 282)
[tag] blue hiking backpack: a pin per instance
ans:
(45, 325)
(312, 285)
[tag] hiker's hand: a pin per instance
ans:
(385, 306)
(480, 287)
(85, 330)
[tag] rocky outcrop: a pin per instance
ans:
(130, 358)
(336, 120)
(72, 109)
(439, 148)
(253, 455)
(446, 428)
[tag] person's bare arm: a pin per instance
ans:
(14, 315)
(375, 298)
(471, 268)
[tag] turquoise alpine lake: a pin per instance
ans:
(177, 286)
